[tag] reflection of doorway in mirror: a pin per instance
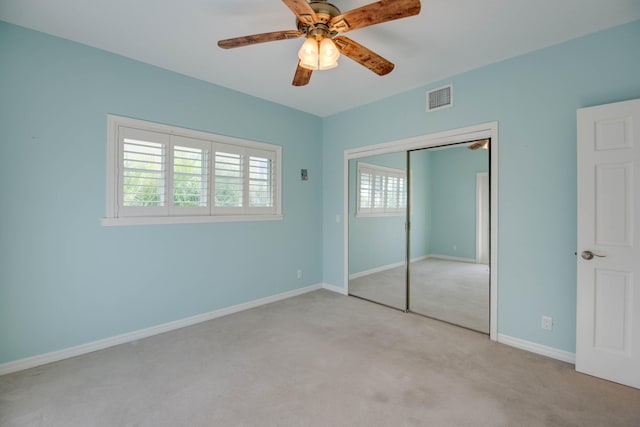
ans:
(482, 218)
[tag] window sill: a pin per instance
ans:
(152, 220)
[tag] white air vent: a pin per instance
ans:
(440, 98)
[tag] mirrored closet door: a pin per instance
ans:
(377, 233)
(449, 234)
(444, 199)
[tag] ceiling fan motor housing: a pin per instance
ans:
(324, 11)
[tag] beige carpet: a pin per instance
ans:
(321, 359)
(456, 292)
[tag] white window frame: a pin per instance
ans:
(385, 172)
(117, 214)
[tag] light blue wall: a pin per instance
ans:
(66, 280)
(421, 205)
(453, 200)
(534, 98)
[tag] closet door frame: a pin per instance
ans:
(450, 137)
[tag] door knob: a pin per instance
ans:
(588, 255)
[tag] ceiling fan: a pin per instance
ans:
(320, 22)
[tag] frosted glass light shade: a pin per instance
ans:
(329, 54)
(308, 54)
(316, 55)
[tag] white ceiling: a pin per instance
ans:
(446, 38)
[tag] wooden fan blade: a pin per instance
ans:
(483, 143)
(302, 10)
(259, 38)
(363, 56)
(302, 76)
(374, 13)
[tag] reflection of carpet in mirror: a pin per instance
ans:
(456, 292)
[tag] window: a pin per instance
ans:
(165, 174)
(382, 191)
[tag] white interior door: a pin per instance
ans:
(608, 304)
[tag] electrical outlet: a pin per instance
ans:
(455, 247)
(299, 274)
(547, 323)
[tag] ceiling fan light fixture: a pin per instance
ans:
(316, 55)
(329, 54)
(308, 54)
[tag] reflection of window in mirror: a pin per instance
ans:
(381, 191)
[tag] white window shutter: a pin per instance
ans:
(160, 174)
(381, 190)
(190, 164)
(142, 174)
(365, 186)
(228, 184)
(261, 182)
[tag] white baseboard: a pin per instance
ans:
(336, 289)
(543, 350)
(55, 356)
(400, 264)
(420, 258)
(450, 258)
(376, 270)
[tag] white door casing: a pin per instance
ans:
(608, 265)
